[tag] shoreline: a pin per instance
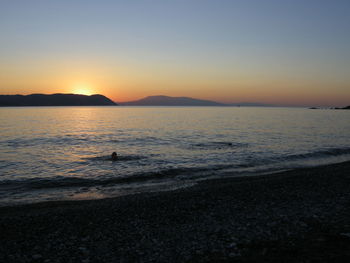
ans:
(302, 213)
(283, 173)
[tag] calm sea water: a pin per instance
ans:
(62, 153)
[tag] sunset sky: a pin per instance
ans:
(286, 52)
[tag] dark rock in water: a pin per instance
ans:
(345, 108)
(55, 100)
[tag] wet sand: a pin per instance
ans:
(296, 216)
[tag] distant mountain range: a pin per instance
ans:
(180, 101)
(55, 100)
(170, 101)
(60, 99)
(100, 100)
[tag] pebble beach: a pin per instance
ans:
(301, 215)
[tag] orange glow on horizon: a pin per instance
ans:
(122, 86)
(82, 89)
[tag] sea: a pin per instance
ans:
(64, 153)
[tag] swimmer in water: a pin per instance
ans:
(114, 156)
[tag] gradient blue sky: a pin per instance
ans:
(283, 52)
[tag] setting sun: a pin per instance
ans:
(83, 89)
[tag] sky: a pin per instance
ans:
(284, 52)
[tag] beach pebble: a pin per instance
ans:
(37, 256)
(232, 245)
(345, 235)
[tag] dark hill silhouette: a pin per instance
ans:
(170, 101)
(55, 100)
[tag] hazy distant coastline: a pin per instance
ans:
(55, 100)
(161, 100)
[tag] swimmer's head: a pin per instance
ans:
(114, 156)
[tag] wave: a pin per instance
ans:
(217, 145)
(324, 153)
(58, 182)
(250, 164)
(120, 158)
(59, 141)
(69, 139)
(85, 139)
